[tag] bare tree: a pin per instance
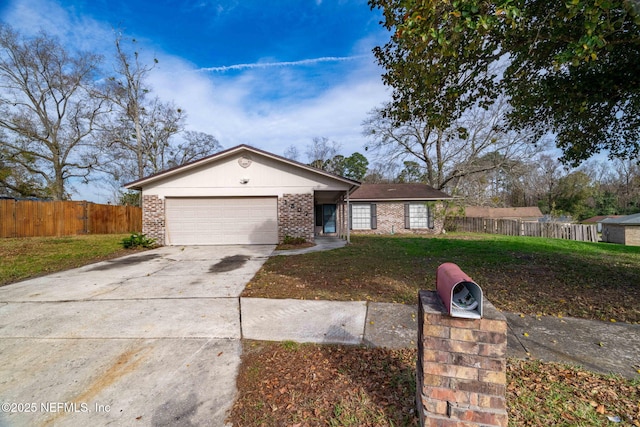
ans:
(381, 173)
(292, 153)
(194, 146)
(448, 156)
(142, 137)
(546, 179)
(321, 151)
(127, 91)
(47, 110)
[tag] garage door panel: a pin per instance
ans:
(220, 221)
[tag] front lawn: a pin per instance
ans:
(22, 258)
(518, 274)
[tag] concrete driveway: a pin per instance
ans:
(151, 339)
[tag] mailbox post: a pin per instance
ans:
(461, 296)
(462, 347)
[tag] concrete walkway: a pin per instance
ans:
(597, 346)
(324, 243)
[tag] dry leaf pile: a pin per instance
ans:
(288, 384)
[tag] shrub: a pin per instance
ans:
(138, 240)
(290, 240)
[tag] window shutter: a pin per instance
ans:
(350, 216)
(430, 222)
(374, 216)
(407, 220)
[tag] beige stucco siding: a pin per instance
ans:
(240, 180)
(264, 176)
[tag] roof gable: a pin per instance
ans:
(231, 152)
(388, 192)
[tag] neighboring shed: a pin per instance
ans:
(598, 220)
(528, 213)
(396, 208)
(624, 230)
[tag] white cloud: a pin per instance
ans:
(226, 107)
(79, 32)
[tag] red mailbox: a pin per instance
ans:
(461, 295)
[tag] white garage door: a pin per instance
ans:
(222, 221)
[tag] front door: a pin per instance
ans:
(328, 219)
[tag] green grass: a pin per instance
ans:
(29, 257)
(554, 394)
(519, 274)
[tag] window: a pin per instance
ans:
(417, 215)
(363, 216)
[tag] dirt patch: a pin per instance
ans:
(229, 263)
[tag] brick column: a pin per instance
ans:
(295, 216)
(461, 369)
(153, 218)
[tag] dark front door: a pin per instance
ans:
(329, 218)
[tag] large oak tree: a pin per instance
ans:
(573, 67)
(48, 112)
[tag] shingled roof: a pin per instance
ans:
(389, 192)
(624, 220)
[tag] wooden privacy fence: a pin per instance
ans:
(516, 227)
(29, 218)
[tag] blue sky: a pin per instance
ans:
(266, 73)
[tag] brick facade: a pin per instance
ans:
(390, 217)
(295, 216)
(153, 218)
(461, 368)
